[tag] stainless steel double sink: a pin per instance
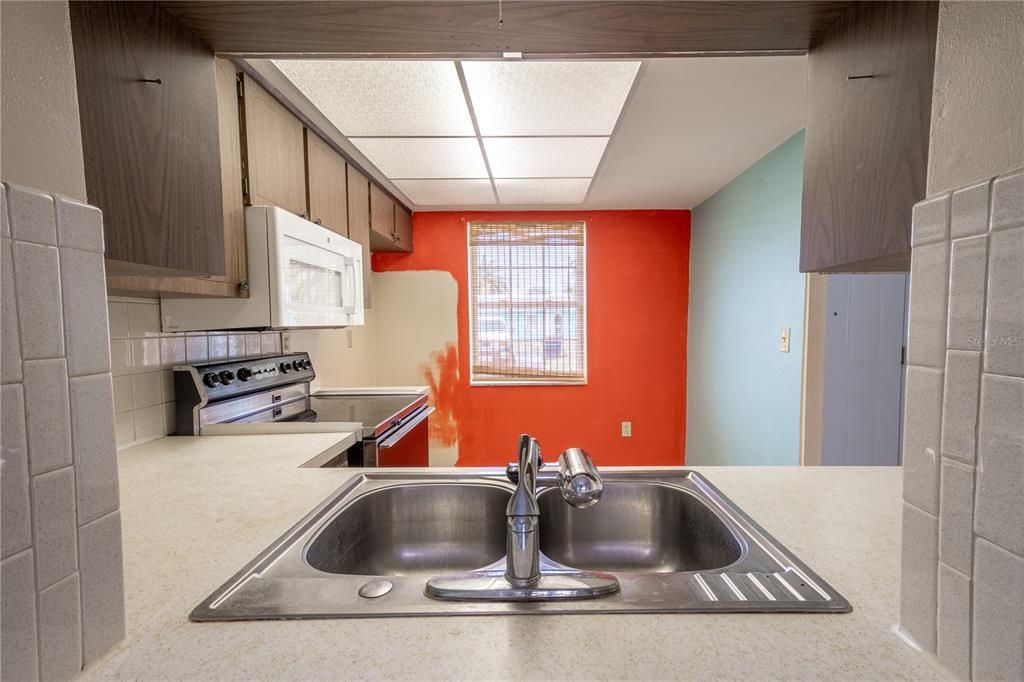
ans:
(674, 541)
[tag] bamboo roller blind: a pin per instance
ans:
(527, 302)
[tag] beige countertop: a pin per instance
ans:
(195, 510)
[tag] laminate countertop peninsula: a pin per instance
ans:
(195, 510)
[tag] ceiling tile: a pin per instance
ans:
(383, 97)
(544, 191)
(548, 98)
(544, 157)
(447, 192)
(457, 157)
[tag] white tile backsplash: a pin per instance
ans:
(40, 311)
(998, 641)
(47, 416)
(102, 598)
(55, 527)
(15, 521)
(10, 337)
(980, 559)
(143, 319)
(33, 217)
(144, 405)
(19, 653)
(84, 287)
(79, 226)
(146, 389)
(92, 422)
(60, 630)
(59, 458)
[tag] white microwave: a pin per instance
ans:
(300, 275)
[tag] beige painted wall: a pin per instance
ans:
(977, 129)
(40, 135)
(416, 316)
(342, 357)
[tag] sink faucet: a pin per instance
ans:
(580, 485)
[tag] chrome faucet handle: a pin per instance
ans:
(579, 479)
(512, 470)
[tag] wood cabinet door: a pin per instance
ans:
(866, 147)
(382, 217)
(148, 108)
(359, 224)
(235, 264)
(403, 229)
(275, 154)
(327, 186)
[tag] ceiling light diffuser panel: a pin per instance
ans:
(542, 191)
(544, 157)
(447, 192)
(457, 157)
(548, 98)
(385, 98)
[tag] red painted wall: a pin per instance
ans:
(637, 292)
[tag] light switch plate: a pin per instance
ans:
(627, 429)
(784, 341)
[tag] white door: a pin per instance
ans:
(863, 377)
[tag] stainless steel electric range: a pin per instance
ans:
(271, 394)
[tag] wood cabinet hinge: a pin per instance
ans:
(245, 187)
(239, 86)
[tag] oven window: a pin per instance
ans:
(314, 275)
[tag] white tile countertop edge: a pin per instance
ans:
(195, 510)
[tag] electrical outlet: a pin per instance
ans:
(348, 337)
(627, 429)
(784, 341)
(286, 342)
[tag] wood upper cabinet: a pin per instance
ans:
(866, 154)
(390, 224)
(326, 185)
(403, 228)
(274, 158)
(359, 224)
(382, 219)
(148, 107)
(231, 283)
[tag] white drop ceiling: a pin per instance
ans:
(557, 134)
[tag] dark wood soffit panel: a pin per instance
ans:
(534, 27)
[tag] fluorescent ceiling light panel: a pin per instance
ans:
(542, 191)
(383, 97)
(544, 157)
(548, 98)
(447, 192)
(418, 157)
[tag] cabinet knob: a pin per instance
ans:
(317, 221)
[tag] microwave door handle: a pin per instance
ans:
(357, 274)
(349, 265)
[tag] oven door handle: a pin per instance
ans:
(392, 440)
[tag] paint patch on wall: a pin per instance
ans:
(441, 373)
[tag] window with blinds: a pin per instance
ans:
(527, 303)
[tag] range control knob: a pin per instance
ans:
(299, 365)
(285, 367)
(244, 374)
(226, 377)
(211, 379)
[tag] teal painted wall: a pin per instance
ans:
(742, 393)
